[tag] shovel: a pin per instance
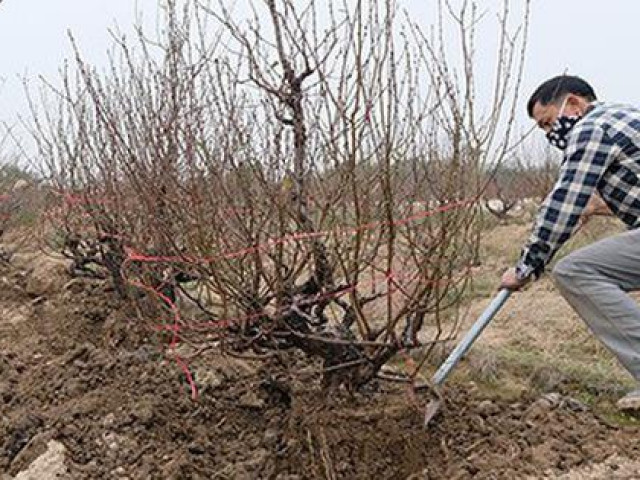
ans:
(454, 357)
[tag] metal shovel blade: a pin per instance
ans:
(433, 407)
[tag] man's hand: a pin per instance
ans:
(595, 207)
(511, 281)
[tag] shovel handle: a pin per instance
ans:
(454, 357)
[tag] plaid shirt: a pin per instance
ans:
(603, 155)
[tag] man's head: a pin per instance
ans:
(564, 95)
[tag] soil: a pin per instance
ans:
(86, 393)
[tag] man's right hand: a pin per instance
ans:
(511, 281)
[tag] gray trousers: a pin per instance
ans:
(595, 281)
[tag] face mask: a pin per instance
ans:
(557, 136)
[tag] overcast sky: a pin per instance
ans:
(590, 38)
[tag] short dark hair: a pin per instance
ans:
(556, 88)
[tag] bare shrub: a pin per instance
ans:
(21, 202)
(305, 179)
(523, 178)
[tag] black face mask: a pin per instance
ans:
(560, 129)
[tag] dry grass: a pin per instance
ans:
(537, 342)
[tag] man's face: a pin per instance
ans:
(546, 115)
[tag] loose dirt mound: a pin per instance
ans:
(614, 468)
(75, 369)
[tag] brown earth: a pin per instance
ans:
(81, 381)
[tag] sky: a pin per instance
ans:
(583, 37)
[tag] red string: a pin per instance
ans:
(177, 325)
(139, 257)
(187, 373)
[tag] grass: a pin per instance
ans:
(538, 344)
(597, 229)
(615, 417)
(482, 286)
(510, 373)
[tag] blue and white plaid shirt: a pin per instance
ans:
(603, 155)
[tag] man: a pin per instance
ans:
(599, 173)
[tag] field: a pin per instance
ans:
(243, 246)
(86, 394)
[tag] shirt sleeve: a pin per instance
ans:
(588, 155)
